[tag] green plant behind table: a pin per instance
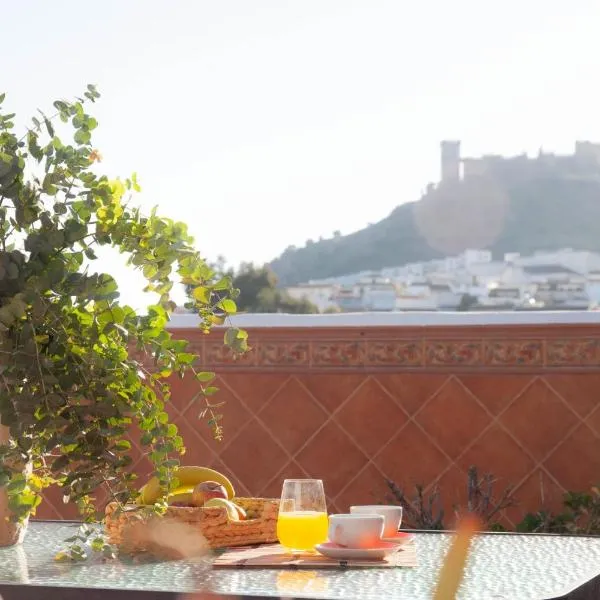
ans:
(580, 515)
(78, 367)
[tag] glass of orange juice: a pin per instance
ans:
(302, 521)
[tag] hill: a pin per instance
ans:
(521, 215)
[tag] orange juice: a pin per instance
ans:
(302, 530)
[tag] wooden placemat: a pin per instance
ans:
(274, 555)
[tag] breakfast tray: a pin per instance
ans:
(274, 555)
(139, 531)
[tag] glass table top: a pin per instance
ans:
(513, 567)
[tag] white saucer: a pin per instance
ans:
(379, 552)
(399, 538)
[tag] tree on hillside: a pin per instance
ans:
(258, 292)
(466, 303)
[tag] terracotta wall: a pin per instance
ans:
(414, 404)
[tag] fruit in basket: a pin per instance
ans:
(230, 507)
(241, 512)
(207, 490)
(182, 496)
(187, 477)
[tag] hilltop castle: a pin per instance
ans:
(584, 163)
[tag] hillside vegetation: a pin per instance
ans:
(522, 216)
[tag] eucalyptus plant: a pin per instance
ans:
(79, 368)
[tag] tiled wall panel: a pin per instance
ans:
(355, 406)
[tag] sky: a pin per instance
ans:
(264, 123)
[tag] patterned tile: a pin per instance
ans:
(255, 457)
(539, 419)
(273, 354)
(254, 389)
(578, 390)
(495, 391)
(196, 431)
(241, 489)
(593, 421)
(573, 353)
(576, 462)
(453, 418)
(368, 487)
(452, 353)
(52, 506)
(197, 450)
(411, 458)
(332, 456)
(292, 416)
(397, 353)
(371, 416)
(182, 391)
(292, 470)
(235, 416)
(412, 390)
(331, 390)
(497, 453)
(337, 353)
(502, 353)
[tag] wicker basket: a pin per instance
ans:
(174, 534)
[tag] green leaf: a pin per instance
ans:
(49, 127)
(205, 376)
(186, 358)
(16, 485)
(150, 270)
(233, 335)
(223, 284)
(135, 183)
(97, 544)
(228, 306)
(201, 294)
(82, 136)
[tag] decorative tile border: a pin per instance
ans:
(217, 355)
(390, 353)
(337, 353)
(584, 352)
(526, 353)
(288, 353)
(449, 353)
(359, 349)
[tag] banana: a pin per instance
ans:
(177, 498)
(231, 509)
(187, 476)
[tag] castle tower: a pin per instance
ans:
(450, 160)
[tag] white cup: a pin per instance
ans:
(392, 516)
(356, 531)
